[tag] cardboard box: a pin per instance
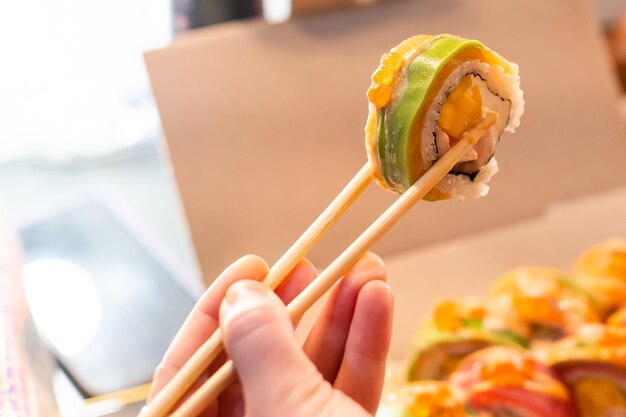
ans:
(470, 264)
(264, 126)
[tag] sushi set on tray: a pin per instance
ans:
(543, 341)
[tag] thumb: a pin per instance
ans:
(259, 337)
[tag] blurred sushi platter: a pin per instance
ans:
(544, 332)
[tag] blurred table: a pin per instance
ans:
(142, 180)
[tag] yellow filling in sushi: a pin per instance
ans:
(462, 110)
(595, 397)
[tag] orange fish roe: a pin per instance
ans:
(446, 316)
(613, 336)
(383, 79)
(379, 95)
(606, 260)
(450, 315)
(434, 399)
(515, 372)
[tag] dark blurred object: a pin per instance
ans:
(191, 14)
(617, 46)
(306, 6)
(609, 11)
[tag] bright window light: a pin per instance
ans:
(276, 11)
(64, 302)
(72, 78)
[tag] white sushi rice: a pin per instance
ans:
(462, 187)
(495, 85)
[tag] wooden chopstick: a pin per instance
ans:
(219, 381)
(169, 396)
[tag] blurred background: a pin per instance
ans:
(84, 177)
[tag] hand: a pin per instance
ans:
(341, 368)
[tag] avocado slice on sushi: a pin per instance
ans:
(455, 330)
(546, 300)
(427, 100)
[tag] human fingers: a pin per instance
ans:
(297, 280)
(231, 401)
(300, 276)
(276, 376)
(326, 342)
(203, 319)
(367, 346)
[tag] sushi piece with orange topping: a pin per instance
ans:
(423, 399)
(549, 303)
(601, 270)
(508, 381)
(592, 364)
(455, 330)
(427, 93)
(617, 319)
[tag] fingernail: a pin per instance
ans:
(370, 265)
(242, 290)
(242, 296)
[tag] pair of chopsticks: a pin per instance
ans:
(164, 402)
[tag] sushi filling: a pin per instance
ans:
(439, 361)
(597, 397)
(460, 112)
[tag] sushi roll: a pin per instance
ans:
(550, 304)
(508, 381)
(455, 330)
(592, 364)
(426, 94)
(423, 399)
(601, 271)
(617, 319)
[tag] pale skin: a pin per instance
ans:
(338, 372)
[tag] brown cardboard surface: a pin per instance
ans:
(264, 124)
(469, 265)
